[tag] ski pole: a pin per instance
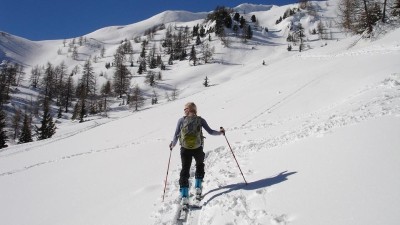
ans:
(234, 156)
(166, 177)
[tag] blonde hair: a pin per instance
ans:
(192, 107)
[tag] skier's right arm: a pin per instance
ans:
(176, 135)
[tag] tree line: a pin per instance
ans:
(358, 16)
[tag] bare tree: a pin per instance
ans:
(75, 53)
(19, 73)
(121, 80)
(88, 77)
(48, 81)
(137, 99)
(174, 94)
(346, 13)
(102, 51)
(384, 11)
(321, 30)
(207, 51)
(36, 72)
(396, 8)
(368, 20)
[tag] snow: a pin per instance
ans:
(316, 134)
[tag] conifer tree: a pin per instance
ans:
(16, 123)
(75, 112)
(242, 22)
(249, 32)
(198, 40)
(154, 99)
(82, 111)
(193, 56)
(142, 67)
(137, 100)
(3, 134)
(300, 35)
(253, 18)
(60, 78)
(26, 133)
(106, 91)
(69, 86)
(236, 17)
(235, 29)
(59, 114)
(47, 82)
(48, 127)
(205, 83)
(121, 76)
(143, 52)
(195, 31)
(88, 77)
(202, 32)
(151, 78)
(171, 59)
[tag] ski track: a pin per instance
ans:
(122, 146)
(274, 106)
(224, 199)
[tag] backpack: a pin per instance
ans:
(191, 136)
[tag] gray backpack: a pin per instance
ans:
(191, 136)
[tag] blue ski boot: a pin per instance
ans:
(199, 188)
(184, 197)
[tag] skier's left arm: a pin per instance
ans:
(208, 129)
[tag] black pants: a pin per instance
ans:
(186, 158)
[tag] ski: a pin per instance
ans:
(197, 201)
(184, 207)
(183, 213)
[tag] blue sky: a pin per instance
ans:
(61, 19)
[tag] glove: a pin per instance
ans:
(222, 130)
(171, 146)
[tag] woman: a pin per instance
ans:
(189, 133)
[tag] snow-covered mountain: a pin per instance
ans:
(316, 133)
(13, 48)
(118, 33)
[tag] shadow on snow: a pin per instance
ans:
(267, 182)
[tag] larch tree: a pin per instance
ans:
(137, 99)
(48, 127)
(26, 132)
(192, 56)
(3, 133)
(121, 76)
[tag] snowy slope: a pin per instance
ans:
(15, 48)
(118, 33)
(315, 134)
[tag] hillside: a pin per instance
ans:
(314, 132)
